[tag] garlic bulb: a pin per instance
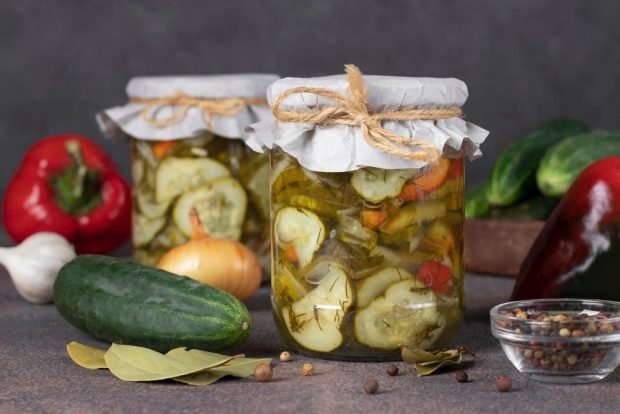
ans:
(34, 264)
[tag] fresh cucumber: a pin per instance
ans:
(537, 208)
(565, 161)
(128, 303)
(514, 174)
(476, 204)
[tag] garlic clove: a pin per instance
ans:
(34, 264)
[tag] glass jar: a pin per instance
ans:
(187, 152)
(222, 178)
(368, 260)
(366, 211)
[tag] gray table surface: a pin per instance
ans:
(36, 375)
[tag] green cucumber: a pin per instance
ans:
(127, 303)
(565, 161)
(514, 173)
(537, 208)
(476, 204)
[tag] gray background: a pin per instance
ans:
(525, 61)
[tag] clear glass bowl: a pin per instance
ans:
(560, 340)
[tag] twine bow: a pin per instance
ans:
(181, 103)
(352, 110)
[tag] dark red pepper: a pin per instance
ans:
(577, 253)
(67, 184)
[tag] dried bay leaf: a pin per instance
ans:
(427, 363)
(86, 356)
(201, 378)
(133, 363)
(241, 367)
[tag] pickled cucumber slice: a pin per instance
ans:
(221, 206)
(290, 177)
(374, 285)
(376, 184)
(415, 212)
(178, 175)
(315, 321)
(407, 314)
(168, 238)
(147, 204)
(300, 228)
(145, 229)
(401, 237)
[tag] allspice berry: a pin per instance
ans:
(371, 386)
(461, 376)
(392, 370)
(503, 383)
(307, 369)
(285, 356)
(263, 372)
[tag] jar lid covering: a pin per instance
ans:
(338, 148)
(120, 121)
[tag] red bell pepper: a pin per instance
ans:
(577, 254)
(435, 275)
(67, 184)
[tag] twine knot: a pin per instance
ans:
(352, 110)
(181, 103)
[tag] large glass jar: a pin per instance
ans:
(368, 260)
(222, 178)
(187, 152)
(366, 211)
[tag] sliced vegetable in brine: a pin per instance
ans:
(177, 175)
(315, 320)
(376, 184)
(221, 206)
(372, 286)
(300, 230)
(406, 314)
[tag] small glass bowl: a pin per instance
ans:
(567, 341)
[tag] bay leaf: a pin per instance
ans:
(427, 363)
(86, 356)
(133, 363)
(201, 378)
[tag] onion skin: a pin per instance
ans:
(222, 263)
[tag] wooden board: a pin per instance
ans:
(498, 246)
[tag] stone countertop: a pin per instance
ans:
(36, 375)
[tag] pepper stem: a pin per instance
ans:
(75, 153)
(77, 188)
(198, 231)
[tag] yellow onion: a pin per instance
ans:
(222, 263)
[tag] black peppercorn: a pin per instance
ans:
(392, 370)
(461, 376)
(371, 386)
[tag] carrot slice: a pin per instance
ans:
(374, 218)
(428, 182)
(456, 168)
(291, 254)
(161, 148)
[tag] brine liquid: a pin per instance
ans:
(366, 261)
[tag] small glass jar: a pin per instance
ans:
(187, 152)
(367, 234)
(365, 261)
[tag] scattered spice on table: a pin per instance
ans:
(371, 386)
(392, 370)
(503, 383)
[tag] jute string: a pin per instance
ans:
(181, 104)
(352, 110)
